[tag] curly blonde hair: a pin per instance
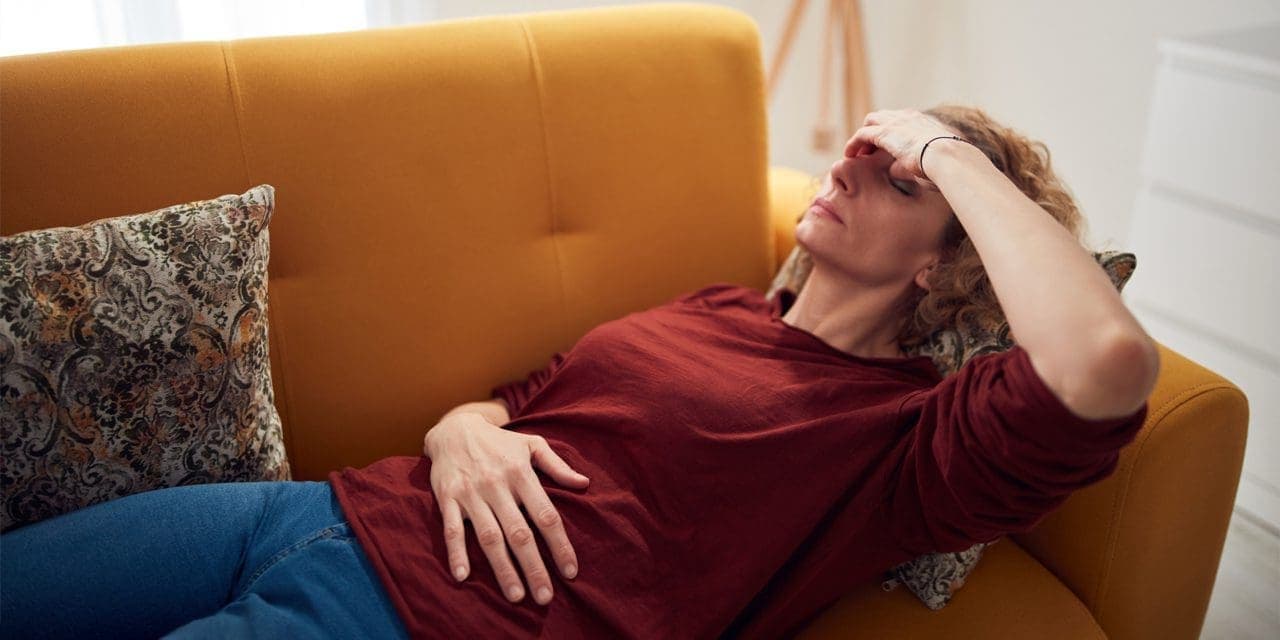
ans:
(960, 293)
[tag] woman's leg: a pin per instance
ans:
(320, 587)
(219, 554)
(140, 565)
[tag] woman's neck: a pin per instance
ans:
(851, 318)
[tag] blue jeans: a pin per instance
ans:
(226, 560)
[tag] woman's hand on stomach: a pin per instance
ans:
(479, 471)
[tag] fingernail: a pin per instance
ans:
(459, 572)
(570, 570)
(544, 595)
(513, 593)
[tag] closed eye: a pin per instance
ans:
(894, 183)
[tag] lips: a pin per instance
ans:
(827, 207)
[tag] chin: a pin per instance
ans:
(817, 244)
(827, 251)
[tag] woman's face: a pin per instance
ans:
(882, 235)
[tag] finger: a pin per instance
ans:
(899, 170)
(884, 116)
(520, 539)
(455, 538)
(545, 458)
(494, 544)
(865, 139)
(927, 184)
(547, 518)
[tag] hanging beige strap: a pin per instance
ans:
(784, 45)
(857, 86)
(824, 132)
(856, 80)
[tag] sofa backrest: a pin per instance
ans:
(455, 201)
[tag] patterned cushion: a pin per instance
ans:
(935, 577)
(133, 356)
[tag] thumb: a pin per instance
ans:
(546, 459)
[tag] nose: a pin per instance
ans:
(842, 175)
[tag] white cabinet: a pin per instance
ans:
(1206, 229)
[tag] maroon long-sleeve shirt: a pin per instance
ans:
(744, 476)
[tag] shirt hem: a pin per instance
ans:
(375, 557)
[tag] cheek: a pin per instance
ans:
(912, 231)
(890, 242)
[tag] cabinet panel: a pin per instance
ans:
(1216, 272)
(1216, 137)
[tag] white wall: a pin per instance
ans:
(1077, 75)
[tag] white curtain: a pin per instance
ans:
(34, 26)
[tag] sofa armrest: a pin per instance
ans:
(790, 191)
(1141, 548)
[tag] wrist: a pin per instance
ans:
(495, 411)
(456, 420)
(471, 414)
(945, 156)
(432, 436)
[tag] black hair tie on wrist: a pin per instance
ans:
(926, 146)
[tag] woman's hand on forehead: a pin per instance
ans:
(901, 133)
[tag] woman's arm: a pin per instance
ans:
(492, 411)
(495, 410)
(1064, 311)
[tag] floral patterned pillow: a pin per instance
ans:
(935, 577)
(133, 356)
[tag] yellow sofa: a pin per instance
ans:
(457, 200)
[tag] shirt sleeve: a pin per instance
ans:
(992, 450)
(518, 392)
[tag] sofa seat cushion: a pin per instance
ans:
(1008, 595)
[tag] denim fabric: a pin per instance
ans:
(226, 560)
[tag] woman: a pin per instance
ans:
(750, 460)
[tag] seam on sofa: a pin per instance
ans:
(1079, 605)
(274, 335)
(233, 87)
(1113, 526)
(1099, 632)
(281, 403)
(536, 69)
(1110, 549)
